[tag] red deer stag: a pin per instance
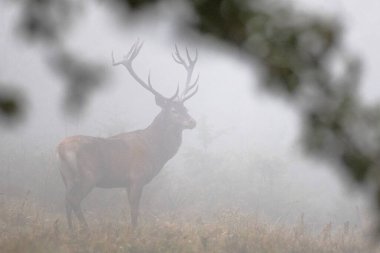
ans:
(131, 159)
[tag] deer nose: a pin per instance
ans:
(190, 124)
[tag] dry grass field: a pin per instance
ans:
(27, 227)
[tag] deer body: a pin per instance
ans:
(113, 161)
(129, 160)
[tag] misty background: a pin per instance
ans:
(245, 153)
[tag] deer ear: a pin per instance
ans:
(161, 101)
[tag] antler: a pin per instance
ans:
(127, 62)
(189, 67)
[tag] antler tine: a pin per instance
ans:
(150, 85)
(188, 55)
(175, 59)
(189, 96)
(189, 89)
(135, 49)
(127, 62)
(189, 67)
(193, 85)
(196, 55)
(175, 94)
(114, 63)
(178, 58)
(191, 61)
(132, 53)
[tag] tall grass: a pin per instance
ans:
(186, 208)
(27, 227)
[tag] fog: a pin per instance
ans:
(245, 153)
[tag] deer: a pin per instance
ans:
(131, 159)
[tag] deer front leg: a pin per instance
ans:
(134, 196)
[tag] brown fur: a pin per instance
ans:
(129, 160)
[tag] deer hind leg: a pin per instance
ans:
(67, 178)
(69, 211)
(134, 196)
(74, 197)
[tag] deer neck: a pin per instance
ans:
(165, 138)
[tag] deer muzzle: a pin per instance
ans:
(190, 123)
